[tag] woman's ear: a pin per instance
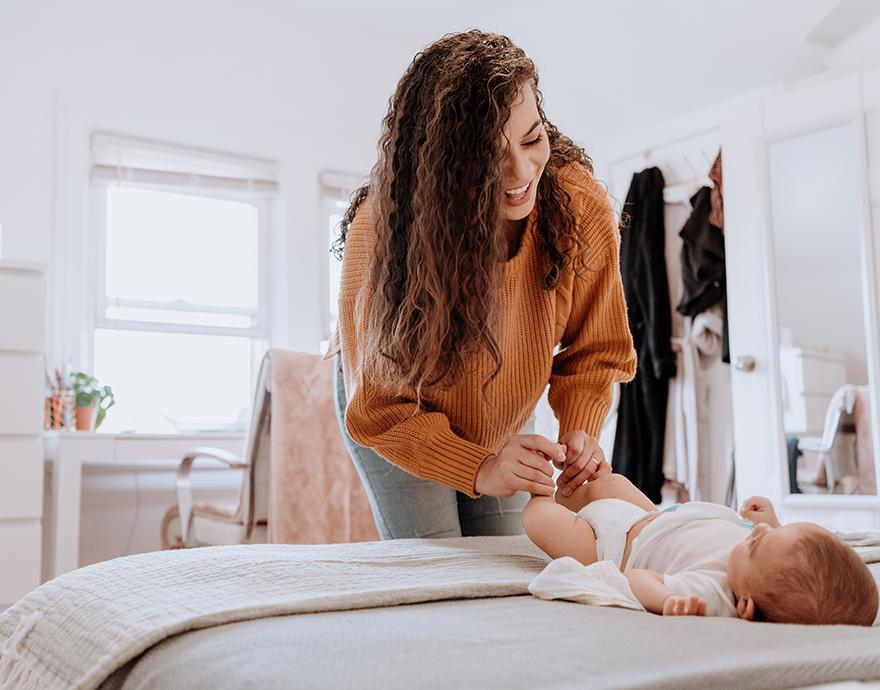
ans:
(745, 608)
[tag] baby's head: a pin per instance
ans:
(800, 573)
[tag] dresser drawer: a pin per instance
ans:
(811, 373)
(20, 546)
(21, 405)
(22, 311)
(21, 478)
(814, 410)
(823, 376)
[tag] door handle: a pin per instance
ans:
(745, 363)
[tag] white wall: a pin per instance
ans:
(243, 77)
(220, 73)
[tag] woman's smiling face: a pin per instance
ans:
(526, 153)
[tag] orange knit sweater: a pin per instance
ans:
(586, 317)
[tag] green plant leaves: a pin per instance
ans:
(87, 391)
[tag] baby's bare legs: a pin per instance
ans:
(557, 531)
(554, 527)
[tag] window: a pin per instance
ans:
(181, 305)
(336, 190)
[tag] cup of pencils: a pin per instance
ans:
(59, 410)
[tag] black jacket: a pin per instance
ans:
(703, 273)
(643, 270)
(702, 259)
(641, 413)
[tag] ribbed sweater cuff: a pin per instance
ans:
(579, 412)
(451, 460)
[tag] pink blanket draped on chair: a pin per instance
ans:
(864, 442)
(316, 495)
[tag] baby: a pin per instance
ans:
(703, 559)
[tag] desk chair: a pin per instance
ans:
(204, 524)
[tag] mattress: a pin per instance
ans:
(505, 643)
(401, 614)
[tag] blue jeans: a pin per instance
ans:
(405, 506)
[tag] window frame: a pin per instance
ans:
(333, 187)
(329, 202)
(259, 333)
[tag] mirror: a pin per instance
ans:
(824, 367)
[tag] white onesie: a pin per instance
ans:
(691, 545)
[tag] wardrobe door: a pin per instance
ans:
(803, 303)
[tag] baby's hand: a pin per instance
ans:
(684, 606)
(759, 509)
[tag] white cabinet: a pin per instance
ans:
(808, 379)
(22, 338)
(21, 327)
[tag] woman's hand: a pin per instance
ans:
(584, 461)
(521, 465)
(759, 509)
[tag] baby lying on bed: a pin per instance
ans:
(704, 559)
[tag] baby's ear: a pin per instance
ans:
(745, 608)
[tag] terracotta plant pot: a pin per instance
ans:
(85, 418)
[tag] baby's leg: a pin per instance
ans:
(609, 486)
(557, 531)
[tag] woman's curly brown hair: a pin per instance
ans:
(436, 197)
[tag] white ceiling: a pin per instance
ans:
(612, 67)
(607, 67)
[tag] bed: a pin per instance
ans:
(410, 613)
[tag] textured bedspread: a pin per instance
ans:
(76, 630)
(90, 626)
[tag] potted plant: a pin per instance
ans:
(92, 400)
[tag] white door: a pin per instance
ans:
(801, 267)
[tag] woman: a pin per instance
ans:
(481, 242)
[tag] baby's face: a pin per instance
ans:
(756, 554)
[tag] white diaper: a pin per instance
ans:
(611, 519)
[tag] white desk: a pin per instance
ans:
(67, 451)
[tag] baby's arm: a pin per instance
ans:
(649, 589)
(759, 509)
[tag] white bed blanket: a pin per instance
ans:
(599, 584)
(75, 630)
(866, 544)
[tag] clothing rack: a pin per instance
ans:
(695, 143)
(663, 145)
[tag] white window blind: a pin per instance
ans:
(125, 159)
(337, 184)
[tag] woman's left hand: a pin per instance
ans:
(584, 461)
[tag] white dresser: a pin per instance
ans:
(809, 380)
(22, 339)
